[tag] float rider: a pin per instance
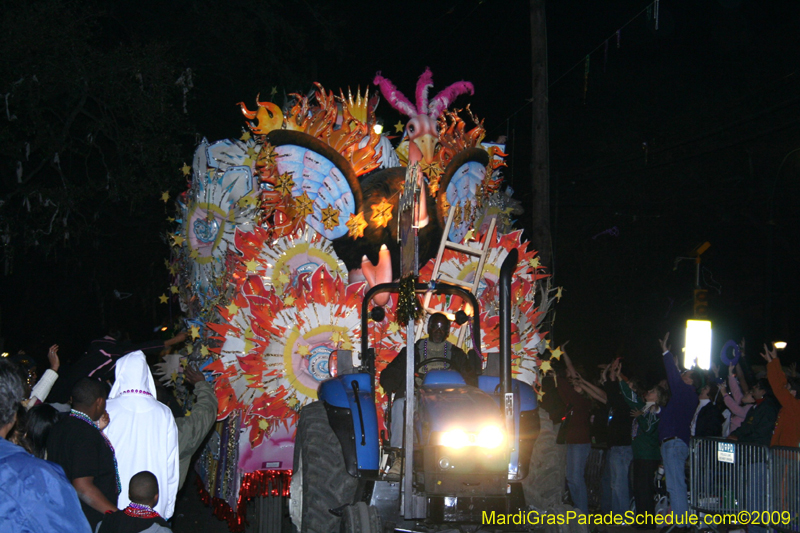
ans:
(393, 377)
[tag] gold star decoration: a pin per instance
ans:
(251, 156)
(445, 204)
(245, 136)
(303, 205)
(467, 211)
(336, 336)
(204, 351)
(356, 225)
(174, 289)
(556, 354)
(545, 367)
(559, 293)
(394, 327)
(195, 254)
(173, 269)
(186, 169)
(289, 300)
(535, 262)
(165, 196)
(178, 239)
(248, 200)
(283, 278)
(330, 217)
(251, 265)
(163, 299)
(381, 213)
(232, 308)
(303, 350)
(195, 332)
(434, 172)
(469, 235)
(399, 127)
(267, 155)
(273, 91)
(166, 263)
(170, 220)
(284, 184)
(263, 425)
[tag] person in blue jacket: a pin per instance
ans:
(674, 432)
(35, 496)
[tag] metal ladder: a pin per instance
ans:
(482, 252)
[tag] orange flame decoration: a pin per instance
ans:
(321, 121)
(454, 136)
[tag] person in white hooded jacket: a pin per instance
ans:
(143, 432)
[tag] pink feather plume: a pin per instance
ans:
(424, 83)
(395, 98)
(443, 100)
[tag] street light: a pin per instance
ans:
(698, 344)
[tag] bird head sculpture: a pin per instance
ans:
(422, 129)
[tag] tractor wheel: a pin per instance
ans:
(544, 486)
(360, 518)
(320, 481)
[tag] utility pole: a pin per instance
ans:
(540, 154)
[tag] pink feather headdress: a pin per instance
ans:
(433, 109)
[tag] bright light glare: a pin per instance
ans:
(779, 345)
(455, 438)
(698, 344)
(490, 437)
(378, 128)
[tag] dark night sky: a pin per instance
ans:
(714, 94)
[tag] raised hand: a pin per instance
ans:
(192, 375)
(768, 354)
(52, 356)
(665, 347)
(103, 421)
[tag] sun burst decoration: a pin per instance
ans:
(356, 225)
(284, 184)
(303, 205)
(381, 213)
(330, 217)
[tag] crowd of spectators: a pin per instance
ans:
(105, 457)
(645, 432)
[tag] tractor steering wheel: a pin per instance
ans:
(432, 360)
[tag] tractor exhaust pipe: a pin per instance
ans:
(506, 272)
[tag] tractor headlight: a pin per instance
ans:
(490, 437)
(455, 438)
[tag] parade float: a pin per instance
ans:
(281, 233)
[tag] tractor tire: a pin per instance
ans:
(360, 518)
(320, 481)
(544, 485)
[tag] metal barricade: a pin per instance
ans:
(728, 477)
(786, 487)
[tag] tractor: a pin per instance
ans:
(471, 445)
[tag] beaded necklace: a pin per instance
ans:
(139, 510)
(137, 391)
(83, 416)
(425, 352)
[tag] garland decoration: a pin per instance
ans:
(408, 307)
